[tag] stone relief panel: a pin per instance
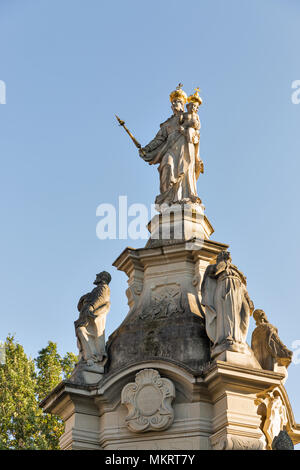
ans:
(182, 443)
(231, 442)
(243, 443)
(149, 402)
(165, 301)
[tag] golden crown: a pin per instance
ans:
(195, 98)
(178, 94)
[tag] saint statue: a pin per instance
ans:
(266, 344)
(90, 326)
(175, 149)
(227, 305)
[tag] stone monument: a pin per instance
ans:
(178, 372)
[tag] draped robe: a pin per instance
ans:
(90, 329)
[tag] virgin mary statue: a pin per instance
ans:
(175, 149)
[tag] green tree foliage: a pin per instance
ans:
(23, 383)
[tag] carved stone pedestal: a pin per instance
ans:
(179, 222)
(92, 377)
(245, 359)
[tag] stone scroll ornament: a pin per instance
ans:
(149, 402)
(227, 305)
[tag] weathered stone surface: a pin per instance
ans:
(238, 443)
(179, 337)
(282, 442)
(165, 319)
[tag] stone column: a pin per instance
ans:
(76, 406)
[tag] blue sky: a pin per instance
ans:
(69, 66)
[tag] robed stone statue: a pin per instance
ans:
(227, 305)
(266, 344)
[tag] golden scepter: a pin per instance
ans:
(136, 143)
